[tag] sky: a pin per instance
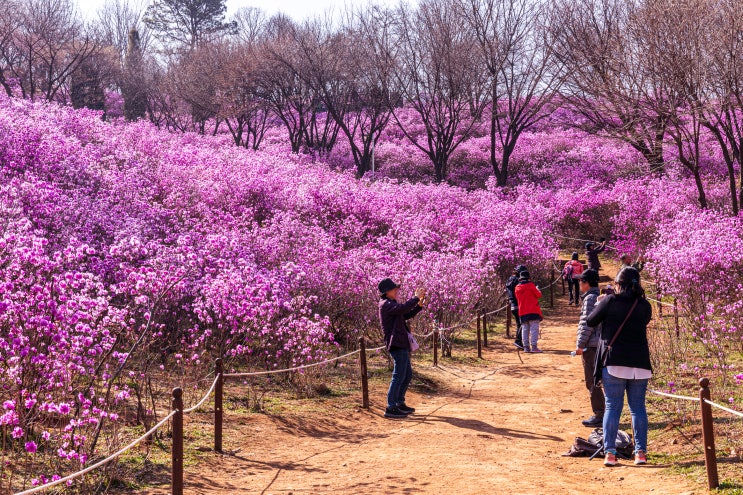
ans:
(298, 9)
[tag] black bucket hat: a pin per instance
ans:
(387, 285)
(590, 276)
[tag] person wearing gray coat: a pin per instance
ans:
(587, 343)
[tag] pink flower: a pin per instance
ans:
(17, 432)
(31, 447)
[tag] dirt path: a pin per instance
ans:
(495, 429)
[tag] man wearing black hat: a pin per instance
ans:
(587, 343)
(592, 254)
(393, 316)
(511, 291)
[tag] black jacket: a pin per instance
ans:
(631, 347)
(392, 316)
(593, 257)
(511, 290)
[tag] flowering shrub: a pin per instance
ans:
(127, 251)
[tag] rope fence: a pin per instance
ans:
(99, 463)
(178, 411)
(708, 427)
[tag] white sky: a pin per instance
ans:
(298, 9)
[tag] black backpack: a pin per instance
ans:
(594, 445)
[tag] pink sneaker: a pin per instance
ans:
(641, 458)
(610, 460)
(537, 350)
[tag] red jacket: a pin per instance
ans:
(528, 297)
(577, 268)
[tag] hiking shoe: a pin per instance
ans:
(640, 458)
(395, 413)
(593, 422)
(526, 350)
(519, 345)
(610, 460)
(537, 350)
(404, 408)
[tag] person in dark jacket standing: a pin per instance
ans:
(592, 254)
(639, 265)
(623, 363)
(586, 344)
(511, 284)
(393, 317)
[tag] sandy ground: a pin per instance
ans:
(495, 429)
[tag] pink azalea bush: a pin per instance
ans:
(126, 251)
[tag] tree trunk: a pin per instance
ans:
(700, 188)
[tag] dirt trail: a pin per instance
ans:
(495, 429)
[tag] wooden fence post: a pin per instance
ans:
(177, 451)
(708, 435)
(218, 411)
(660, 305)
(552, 288)
(485, 329)
(435, 346)
(563, 284)
(479, 337)
(364, 374)
(508, 322)
(676, 316)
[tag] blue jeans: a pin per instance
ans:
(401, 376)
(614, 389)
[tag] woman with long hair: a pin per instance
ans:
(623, 360)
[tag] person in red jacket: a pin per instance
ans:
(530, 313)
(572, 273)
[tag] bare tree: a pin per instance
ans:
(240, 104)
(723, 112)
(673, 34)
(291, 98)
(338, 65)
(523, 77)
(45, 45)
(436, 71)
(116, 20)
(606, 82)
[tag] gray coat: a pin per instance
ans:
(588, 337)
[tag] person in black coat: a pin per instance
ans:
(623, 360)
(592, 254)
(511, 284)
(393, 317)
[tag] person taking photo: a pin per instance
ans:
(398, 339)
(586, 344)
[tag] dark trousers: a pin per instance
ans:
(517, 320)
(596, 392)
(401, 376)
(574, 286)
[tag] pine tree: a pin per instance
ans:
(187, 22)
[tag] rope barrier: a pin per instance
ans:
(668, 305)
(718, 406)
(673, 396)
(206, 396)
(99, 463)
(696, 399)
(580, 240)
(297, 368)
